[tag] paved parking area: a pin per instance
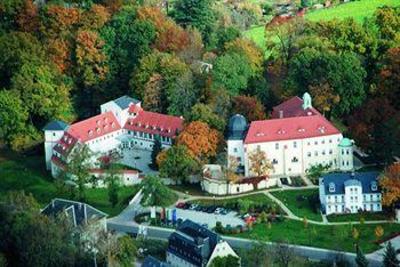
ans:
(209, 218)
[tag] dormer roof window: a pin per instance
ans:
(90, 132)
(374, 186)
(113, 125)
(98, 130)
(331, 187)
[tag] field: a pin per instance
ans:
(329, 237)
(19, 172)
(300, 202)
(357, 10)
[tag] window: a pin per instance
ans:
(276, 145)
(295, 159)
(330, 141)
(316, 143)
(323, 141)
(235, 150)
(274, 161)
(316, 153)
(331, 187)
(347, 152)
(309, 154)
(54, 134)
(295, 144)
(323, 152)
(330, 151)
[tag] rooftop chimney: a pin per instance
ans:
(281, 114)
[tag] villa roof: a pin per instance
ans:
(341, 180)
(292, 107)
(124, 101)
(80, 213)
(55, 125)
(94, 127)
(155, 123)
(289, 128)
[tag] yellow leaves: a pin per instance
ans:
(379, 231)
(200, 139)
(249, 49)
(390, 183)
(259, 164)
(324, 97)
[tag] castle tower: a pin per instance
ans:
(237, 129)
(307, 102)
(346, 155)
(53, 132)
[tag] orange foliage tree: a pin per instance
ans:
(248, 106)
(390, 183)
(28, 19)
(200, 139)
(90, 57)
(259, 163)
(60, 21)
(170, 36)
(95, 17)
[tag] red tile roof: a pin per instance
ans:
(155, 123)
(292, 107)
(65, 144)
(94, 127)
(289, 128)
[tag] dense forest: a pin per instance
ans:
(61, 59)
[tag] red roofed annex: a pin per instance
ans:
(121, 126)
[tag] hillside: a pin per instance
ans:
(357, 10)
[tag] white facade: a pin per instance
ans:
(294, 157)
(236, 150)
(354, 197)
(51, 138)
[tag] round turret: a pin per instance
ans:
(346, 155)
(237, 127)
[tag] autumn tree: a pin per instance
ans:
(250, 50)
(386, 19)
(324, 98)
(250, 107)
(28, 17)
(389, 77)
(379, 231)
(205, 113)
(200, 139)
(259, 163)
(95, 18)
(390, 183)
(177, 163)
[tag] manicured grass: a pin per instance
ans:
(367, 216)
(28, 173)
(337, 237)
(300, 202)
(357, 10)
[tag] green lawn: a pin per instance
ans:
(376, 216)
(257, 201)
(300, 202)
(357, 9)
(337, 237)
(28, 173)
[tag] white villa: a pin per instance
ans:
(296, 138)
(350, 193)
(121, 125)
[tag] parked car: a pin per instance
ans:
(180, 205)
(193, 206)
(224, 211)
(198, 208)
(218, 210)
(211, 209)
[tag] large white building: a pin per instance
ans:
(122, 124)
(350, 193)
(294, 139)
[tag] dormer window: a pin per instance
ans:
(98, 122)
(90, 133)
(331, 187)
(113, 125)
(105, 119)
(65, 138)
(374, 186)
(70, 141)
(98, 130)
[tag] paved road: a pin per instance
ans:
(308, 252)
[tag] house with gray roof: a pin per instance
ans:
(350, 193)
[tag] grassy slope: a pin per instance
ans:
(27, 173)
(358, 10)
(330, 237)
(300, 207)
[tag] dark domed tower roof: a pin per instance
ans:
(237, 127)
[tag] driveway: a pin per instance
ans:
(209, 218)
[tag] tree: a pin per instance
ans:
(361, 260)
(126, 251)
(157, 147)
(28, 17)
(390, 183)
(155, 192)
(78, 168)
(389, 77)
(343, 72)
(183, 95)
(200, 139)
(257, 255)
(246, 47)
(13, 116)
(95, 18)
(205, 113)
(316, 171)
(324, 98)
(225, 261)
(30, 238)
(386, 19)
(196, 13)
(390, 256)
(232, 72)
(379, 231)
(112, 180)
(259, 164)
(283, 254)
(250, 107)
(177, 163)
